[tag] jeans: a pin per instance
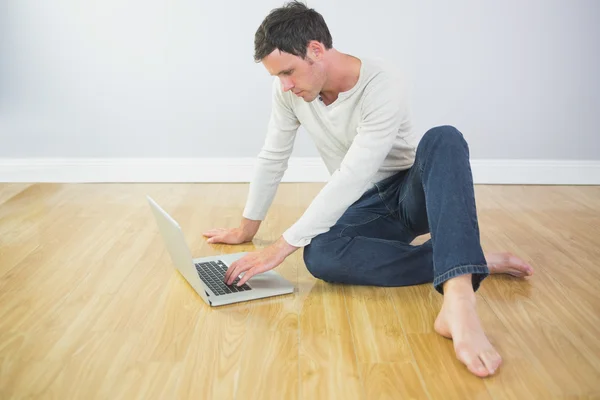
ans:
(370, 244)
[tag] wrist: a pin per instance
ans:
(285, 249)
(249, 227)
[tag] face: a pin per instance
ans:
(304, 77)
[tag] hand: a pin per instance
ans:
(259, 261)
(228, 236)
(244, 233)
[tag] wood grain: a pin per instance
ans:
(91, 307)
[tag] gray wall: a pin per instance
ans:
(158, 78)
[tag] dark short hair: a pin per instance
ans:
(289, 29)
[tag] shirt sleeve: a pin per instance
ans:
(272, 160)
(384, 111)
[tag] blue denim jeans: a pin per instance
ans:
(371, 242)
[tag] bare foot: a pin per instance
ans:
(458, 321)
(507, 263)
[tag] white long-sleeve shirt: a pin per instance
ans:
(364, 136)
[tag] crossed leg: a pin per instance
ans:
(370, 244)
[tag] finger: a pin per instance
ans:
(222, 238)
(229, 271)
(249, 274)
(232, 270)
(238, 270)
(232, 275)
(235, 274)
(238, 266)
(213, 232)
(215, 239)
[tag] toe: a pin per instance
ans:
(491, 359)
(529, 269)
(473, 362)
(520, 264)
(518, 272)
(477, 367)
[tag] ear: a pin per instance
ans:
(316, 50)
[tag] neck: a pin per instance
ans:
(343, 71)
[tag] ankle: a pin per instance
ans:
(459, 287)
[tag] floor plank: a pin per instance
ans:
(91, 307)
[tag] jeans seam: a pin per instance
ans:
(399, 245)
(383, 201)
(462, 269)
(393, 211)
(419, 162)
(380, 194)
(355, 225)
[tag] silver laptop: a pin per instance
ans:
(206, 275)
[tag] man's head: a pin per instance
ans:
(292, 43)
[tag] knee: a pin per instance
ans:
(319, 262)
(447, 133)
(445, 136)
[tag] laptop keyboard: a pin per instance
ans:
(213, 274)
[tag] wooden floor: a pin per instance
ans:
(91, 308)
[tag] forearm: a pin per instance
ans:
(249, 226)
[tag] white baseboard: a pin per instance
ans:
(536, 172)
(79, 170)
(301, 169)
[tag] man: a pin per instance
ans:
(387, 185)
